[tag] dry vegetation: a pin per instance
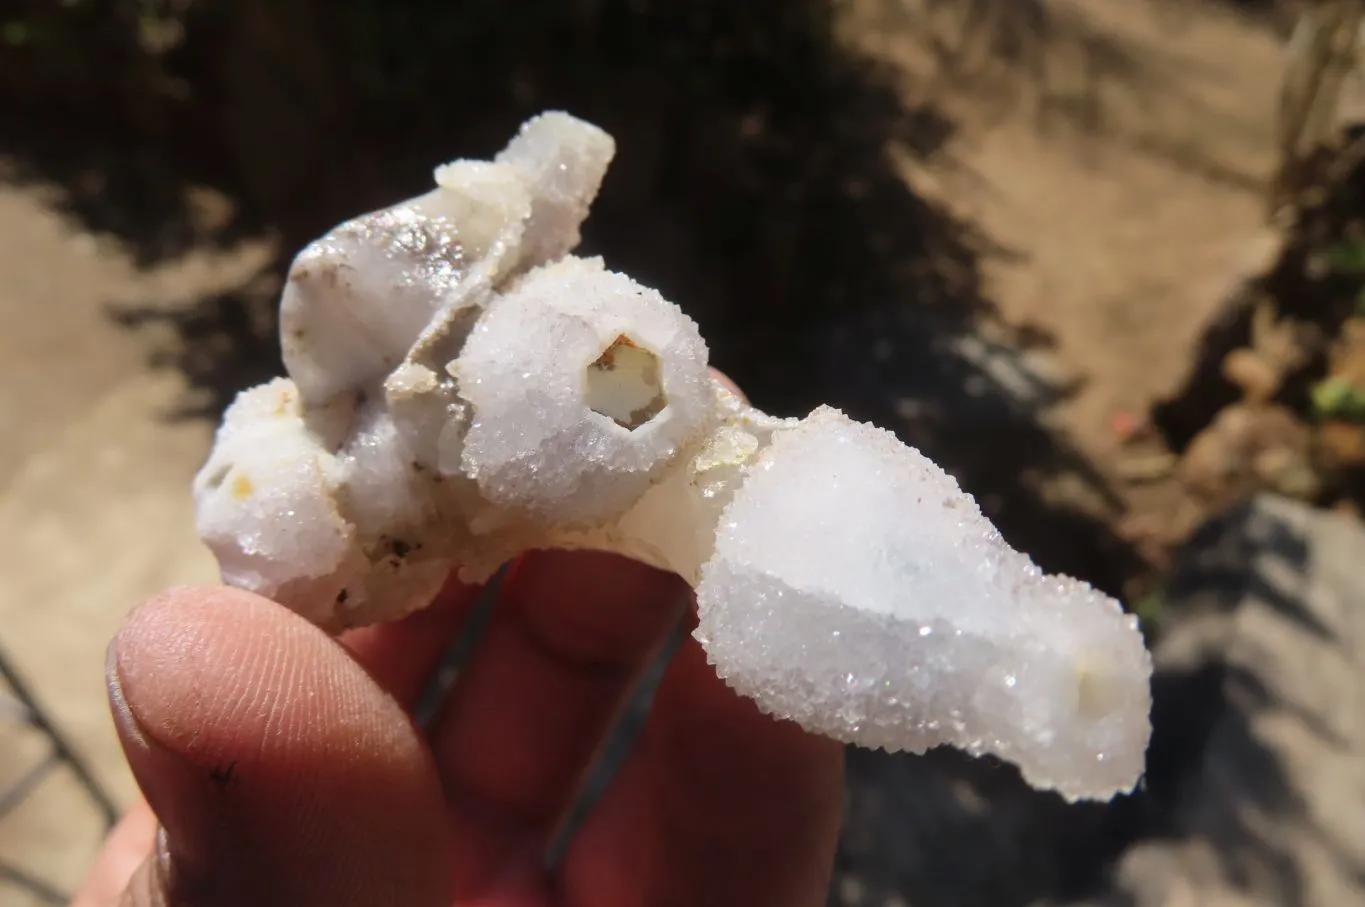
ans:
(1275, 401)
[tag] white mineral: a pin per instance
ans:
(462, 389)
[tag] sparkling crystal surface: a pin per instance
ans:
(461, 388)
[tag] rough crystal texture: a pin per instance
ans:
(538, 445)
(462, 389)
(909, 620)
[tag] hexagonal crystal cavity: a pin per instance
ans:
(569, 424)
(623, 384)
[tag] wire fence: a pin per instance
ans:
(21, 713)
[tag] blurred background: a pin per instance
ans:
(1103, 260)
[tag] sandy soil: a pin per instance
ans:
(93, 503)
(1120, 170)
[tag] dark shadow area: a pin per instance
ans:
(220, 343)
(90, 99)
(944, 830)
(755, 184)
(1301, 291)
(1277, 16)
(1206, 390)
(1213, 575)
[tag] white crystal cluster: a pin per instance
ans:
(461, 389)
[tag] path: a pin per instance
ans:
(93, 502)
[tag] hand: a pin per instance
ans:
(285, 769)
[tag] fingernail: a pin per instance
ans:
(167, 781)
(129, 730)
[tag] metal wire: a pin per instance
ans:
(20, 707)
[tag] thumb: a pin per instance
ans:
(279, 770)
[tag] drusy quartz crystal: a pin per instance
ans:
(461, 388)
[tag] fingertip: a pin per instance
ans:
(728, 384)
(280, 770)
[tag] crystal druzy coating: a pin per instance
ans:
(462, 389)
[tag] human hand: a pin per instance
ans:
(285, 769)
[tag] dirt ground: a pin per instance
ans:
(1119, 169)
(1115, 171)
(93, 504)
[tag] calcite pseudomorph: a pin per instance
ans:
(462, 389)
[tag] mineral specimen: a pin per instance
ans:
(462, 389)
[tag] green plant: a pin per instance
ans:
(1336, 398)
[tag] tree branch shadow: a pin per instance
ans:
(1215, 775)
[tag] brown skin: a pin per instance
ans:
(284, 768)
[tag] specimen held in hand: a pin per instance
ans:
(462, 389)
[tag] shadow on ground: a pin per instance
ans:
(755, 185)
(1058, 61)
(1263, 596)
(1221, 815)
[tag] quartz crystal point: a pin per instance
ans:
(461, 389)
